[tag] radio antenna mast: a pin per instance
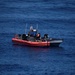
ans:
(25, 28)
(37, 27)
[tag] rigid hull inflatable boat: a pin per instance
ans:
(33, 38)
(53, 42)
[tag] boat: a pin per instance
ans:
(33, 38)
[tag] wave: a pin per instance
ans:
(13, 67)
(40, 6)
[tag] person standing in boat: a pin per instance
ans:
(30, 33)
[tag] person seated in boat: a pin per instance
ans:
(45, 36)
(38, 36)
(24, 37)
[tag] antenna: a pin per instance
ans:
(25, 28)
(37, 27)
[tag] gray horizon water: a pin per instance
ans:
(55, 17)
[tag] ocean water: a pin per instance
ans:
(55, 17)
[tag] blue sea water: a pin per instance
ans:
(55, 17)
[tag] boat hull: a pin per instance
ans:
(37, 43)
(55, 42)
(30, 43)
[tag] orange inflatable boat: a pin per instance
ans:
(31, 43)
(33, 38)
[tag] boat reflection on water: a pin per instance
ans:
(38, 49)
